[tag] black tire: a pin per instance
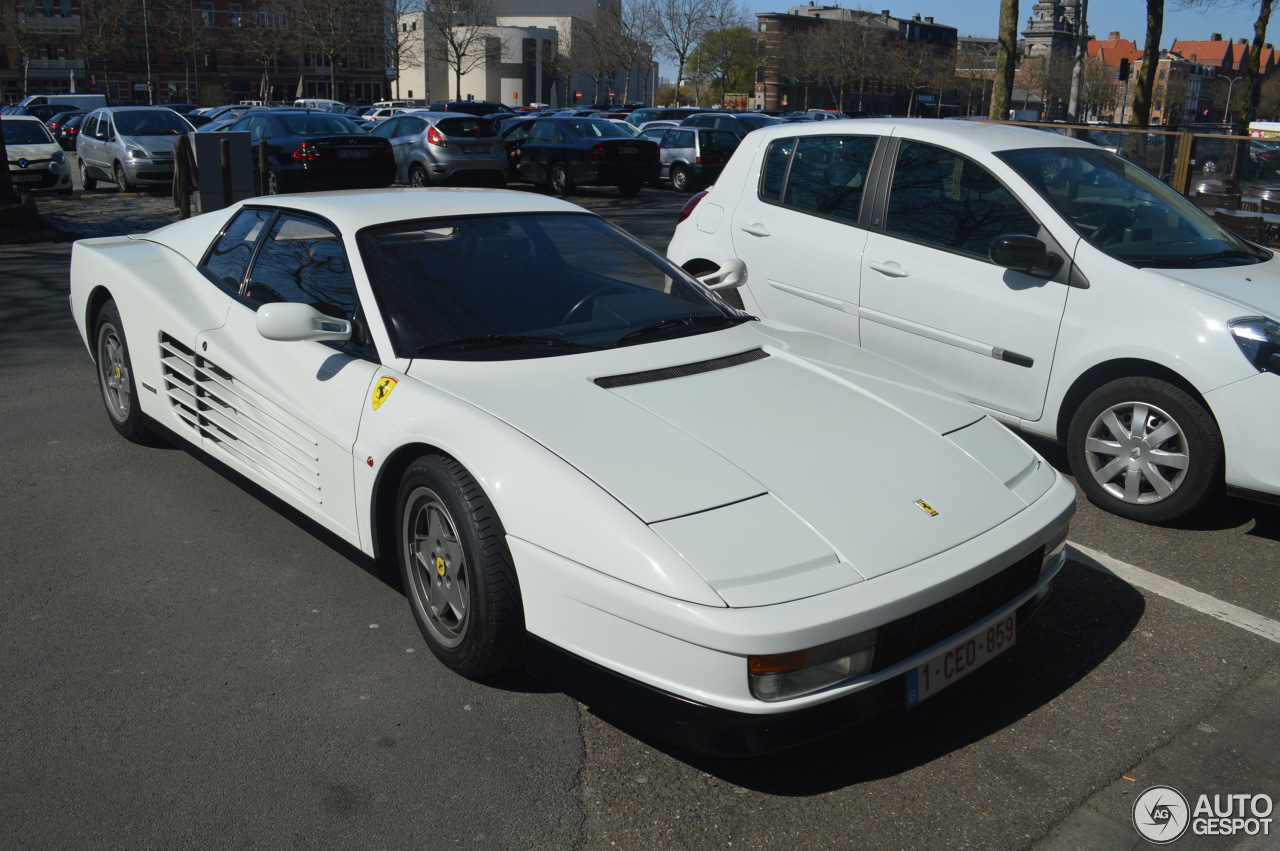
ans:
(680, 179)
(418, 176)
(1119, 469)
(631, 188)
(561, 182)
(457, 570)
(122, 182)
(115, 377)
(86, 182)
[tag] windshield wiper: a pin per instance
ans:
(1222, 255)
(1182, 261)
(501, 340)
(675, 322)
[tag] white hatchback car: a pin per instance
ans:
(1064, 290)
(36, 161)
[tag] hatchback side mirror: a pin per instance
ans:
(731, 275)
(1023, 253)
(289, 321)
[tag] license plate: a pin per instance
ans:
(352, 153)
(627, 149)
(25, 178)
(475, 149)
(964, 658)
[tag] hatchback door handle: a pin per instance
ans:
(890, 268)
(755, 229)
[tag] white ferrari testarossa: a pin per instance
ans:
(736, 534)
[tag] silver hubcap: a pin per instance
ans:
(114, 371)
(438, 567)
(1137, 453)
(417, 178)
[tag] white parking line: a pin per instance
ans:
(1192, 599)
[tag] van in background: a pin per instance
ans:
(85, 102)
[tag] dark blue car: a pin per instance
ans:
(563, 153)
(312, 150)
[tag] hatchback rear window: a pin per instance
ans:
(466, 127)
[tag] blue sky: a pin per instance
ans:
(982, 17)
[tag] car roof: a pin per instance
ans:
(353, 209)
(973, 138)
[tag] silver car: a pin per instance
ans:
(445, 147)
(129, 146)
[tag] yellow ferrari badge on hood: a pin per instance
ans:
(924, 506)
(383, 389)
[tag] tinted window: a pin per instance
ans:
(949, 201)
(826, 174)
(303, 261)
(680, 139)
(319, 124)
(466, 127)
(544, 131)
(719, 139)
(229, 258)
(151, 122)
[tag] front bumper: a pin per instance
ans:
(1247, 412)
(694, 657)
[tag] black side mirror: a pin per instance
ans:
(1023, 253)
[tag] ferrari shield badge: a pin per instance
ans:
(924, 506)
(383, 389)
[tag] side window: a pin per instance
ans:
(947, 200)
(227, 261)
(543, 132)
(259, 129)
(681, 139)
(826, 175)
(303, 260)
(90, 125)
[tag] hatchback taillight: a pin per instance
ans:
(306, 153)
(687, 210)
(598, 152)
(435, 137)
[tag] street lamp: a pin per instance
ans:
(1226, 110)
(146, 47)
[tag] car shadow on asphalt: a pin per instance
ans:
(1086, 618)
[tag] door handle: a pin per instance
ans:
(755, 229)
(889, 268)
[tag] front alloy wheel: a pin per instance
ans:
(115, 377)
(1145, 449)
(457, 570)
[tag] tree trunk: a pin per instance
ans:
(1077, 65)
(1252, 67)
(1006, 60)
(1150, 59)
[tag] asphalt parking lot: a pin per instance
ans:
(188, 663)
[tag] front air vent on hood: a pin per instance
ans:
(610, 382)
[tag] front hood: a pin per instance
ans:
(151, 144)
(1255, 288)
(845, 441)
(42, 151)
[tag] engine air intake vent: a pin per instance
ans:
(609, 382)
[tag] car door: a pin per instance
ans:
(798, 231)
(538, 150)
(90, 150)
(394, 131)
(934, 301)
(286, 414)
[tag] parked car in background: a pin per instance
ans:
(184, 108)
(312, 150)
(672, 113)
(56, 122)
(129, 146)
(444, 147)
(563, 153)
(1063, 289)
(693, 157)
(739, 124)
(67, 133)
(36, 162)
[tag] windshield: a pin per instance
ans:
(596, 128)
(26, 132)
(1126, 212)
(521, 286)
(151, 122)
(755, 122)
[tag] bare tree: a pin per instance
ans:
(915, 65)
(1048, 76)
(103, 31)
(264, 36)
(848, 49)
(15, 27)
(634, 47)
(457, 35)
(802, 58)
(1099, 89)
(402, 41)
(1006, 60)
(677, 29)
(184, 31)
